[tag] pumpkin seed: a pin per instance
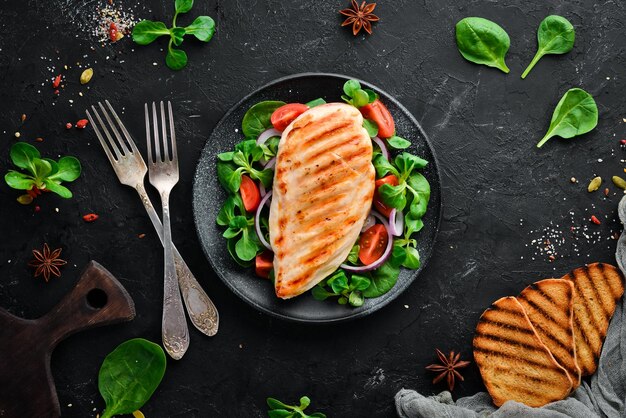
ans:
(86, 76)
(619, 182)
(594, 184)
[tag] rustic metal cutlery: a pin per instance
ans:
(131, 169)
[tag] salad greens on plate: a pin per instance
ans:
(387, 240)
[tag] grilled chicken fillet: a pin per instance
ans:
(322, 193)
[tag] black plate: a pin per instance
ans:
(208, 197)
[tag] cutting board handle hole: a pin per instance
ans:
(97, 298)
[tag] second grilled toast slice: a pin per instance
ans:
(597, 288)
(514, 363)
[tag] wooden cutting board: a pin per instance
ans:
(26, 385)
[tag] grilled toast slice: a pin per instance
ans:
(597, 288)
(514, 363)
(548, 304)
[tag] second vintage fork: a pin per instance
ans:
(131, 169)
(163, 174)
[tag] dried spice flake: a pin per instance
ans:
(448, 368)
(90, 217)
(47, 262)
(360, 17)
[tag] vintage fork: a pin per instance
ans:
(131, 169)
(163, 174)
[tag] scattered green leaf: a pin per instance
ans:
(147, 31)
(129, 376)
(555, 36)
(257, 118)
(575, 114)
(41, 173)
(279, 409)
(483, 42)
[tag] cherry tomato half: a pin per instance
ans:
(263, 264)
(372, 244)
(284, 115)
(378, 202)
(250, 193)
(379, 113)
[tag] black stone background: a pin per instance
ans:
(483, 125)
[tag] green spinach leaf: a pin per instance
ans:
(279, 409)
(23, 155)
(42, 173)
(257, 118)
(129, 376)
(19, 181)
(203, 28)
(176, 59)
(383, 280)
(356, 96)
(575, 114)
(147, 31)
(316, 102)
(483, 42)
(371, 127)
(229, 176)
(555, 36)
(396, 142)
(183, 6)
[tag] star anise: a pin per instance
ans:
(448, 368)
(360, 17)
(47, 263)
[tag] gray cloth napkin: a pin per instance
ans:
(604, 396)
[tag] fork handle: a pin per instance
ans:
(174, 331)
(201, 310)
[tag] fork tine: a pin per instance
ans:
(166, 154)
(106, 148)
(112, 143)
(129, 138)
(114, 129)
(172, 134)
(155, 122)
(149, 143)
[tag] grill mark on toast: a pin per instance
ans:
(492, 352)
(509, 341)
(507, 326)
(550, 335)
(536, 379)
(592, 330)
(588, 276)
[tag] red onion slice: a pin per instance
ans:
(383, 257)
(262, 189)
(396, 222)
(369, 222)
(257, 221)
(383, 147)
(265, 135)
(270, 164)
